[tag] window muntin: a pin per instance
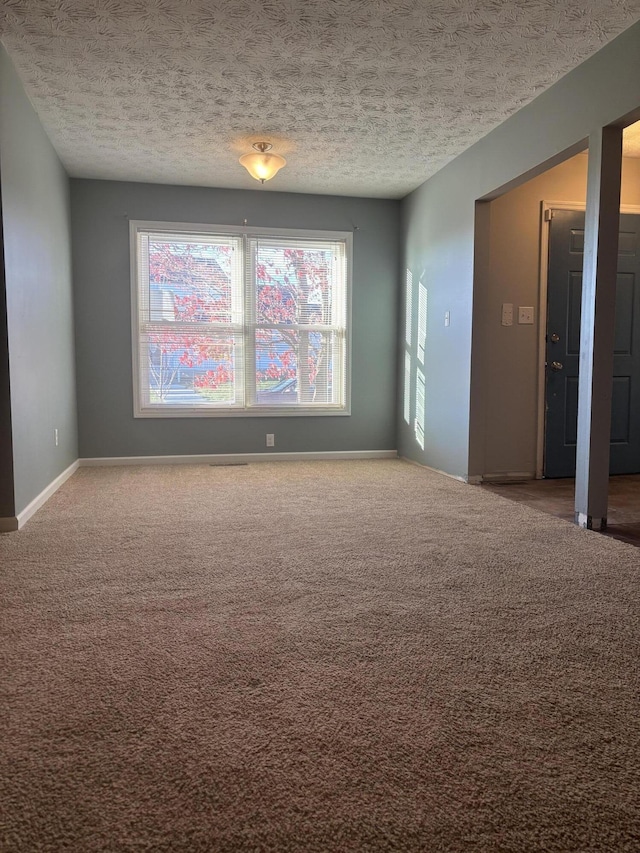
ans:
(235, 322)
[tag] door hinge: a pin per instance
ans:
(548, 214)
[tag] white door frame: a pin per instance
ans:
(545, 221)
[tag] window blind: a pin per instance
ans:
(298, 289)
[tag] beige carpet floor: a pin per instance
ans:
(353, 656)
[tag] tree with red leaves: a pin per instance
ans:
(294, 288)
(199, 285)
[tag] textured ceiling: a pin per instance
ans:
(363, 97)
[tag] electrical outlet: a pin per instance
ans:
(55, 437)
(507, 313)
(271, 439)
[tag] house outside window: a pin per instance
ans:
(230, 321)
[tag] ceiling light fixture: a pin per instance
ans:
(262, 166)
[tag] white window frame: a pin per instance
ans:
(140, 410)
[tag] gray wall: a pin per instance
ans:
(100, 214)
(510, 368)
(438, 222)
(37, 254)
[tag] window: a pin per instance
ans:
(239, 322)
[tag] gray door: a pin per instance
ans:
(566, 243)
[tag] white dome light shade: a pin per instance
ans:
(262, 166)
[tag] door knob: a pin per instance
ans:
(556, 365)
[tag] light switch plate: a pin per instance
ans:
(525, 316)
(507, 313)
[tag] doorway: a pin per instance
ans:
(512, 273)
(562, 345)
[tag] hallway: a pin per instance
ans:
(555, 497)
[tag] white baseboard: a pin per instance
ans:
(235, 458)
(45, 494)
(7, 525)
(472, 481)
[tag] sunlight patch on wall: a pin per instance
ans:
(631, 140)
(407, 387)
(420, 407)
(408, 336)
(408, 308)
(422, 322)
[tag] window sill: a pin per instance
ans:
(257, 412)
